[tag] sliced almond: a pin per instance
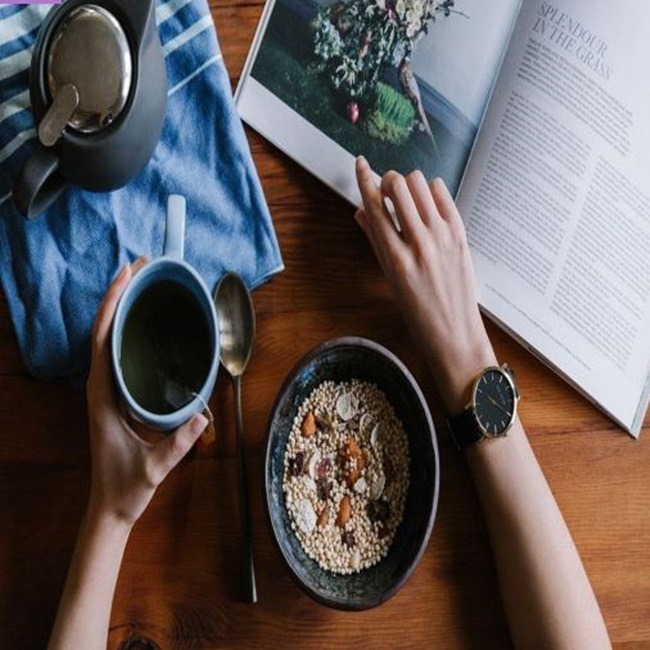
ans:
(312, 465)
(309, 483)
(347, 406)
(305, 516)
(361, 486)
(366, 424)
(376, 436)
(377, 487)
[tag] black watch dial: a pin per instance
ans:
(494, 402)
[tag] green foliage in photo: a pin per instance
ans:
(392, 116)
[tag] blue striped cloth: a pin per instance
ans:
(56, 269)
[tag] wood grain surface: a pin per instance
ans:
(177, 588)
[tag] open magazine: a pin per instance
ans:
(536, 114)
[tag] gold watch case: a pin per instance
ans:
(508, 375)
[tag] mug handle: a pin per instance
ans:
(175, 227)
(38, 184)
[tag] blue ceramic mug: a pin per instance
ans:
(165, 339)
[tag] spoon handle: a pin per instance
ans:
(247, 576)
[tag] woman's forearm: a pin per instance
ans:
(84, 612)
(546, 593)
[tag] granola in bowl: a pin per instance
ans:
(346, 475)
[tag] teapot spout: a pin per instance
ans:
(139, 15)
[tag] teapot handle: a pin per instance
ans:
(38, 183)
(138, 14)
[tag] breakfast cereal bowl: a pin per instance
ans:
(333, 364)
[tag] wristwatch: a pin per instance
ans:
(491, 410)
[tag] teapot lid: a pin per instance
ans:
(90, 51)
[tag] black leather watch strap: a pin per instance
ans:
(464, 430)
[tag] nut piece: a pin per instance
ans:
(314, 459)
(345, 512)
(347, 406)
(365, 424)
(305, 516)
(361, 486)
(377, 486)
(352, 460)
(376, 436)
(323, 518)
(308, 427)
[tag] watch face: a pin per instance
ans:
(494, 401)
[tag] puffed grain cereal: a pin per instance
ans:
(346, 475)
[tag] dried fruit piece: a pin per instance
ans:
(352, 476)
(378, 511)
(305, 516)
(348, 539)
(297, 463)
(345, 512)
(323, 468)
(323, 487)
(324, 422)
(308, 427)
(382, 531)
(347, 406)
(323, 518)
(349, 451)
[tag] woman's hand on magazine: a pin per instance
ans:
(430, 271)
(126, 470)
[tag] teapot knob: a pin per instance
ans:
(58, 115)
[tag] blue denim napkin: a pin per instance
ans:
(55, 269)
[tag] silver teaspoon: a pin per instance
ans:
(237, 333)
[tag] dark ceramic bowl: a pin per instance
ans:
(341, 360)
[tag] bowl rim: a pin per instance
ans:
(353, 341)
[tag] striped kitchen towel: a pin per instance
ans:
(55, 269)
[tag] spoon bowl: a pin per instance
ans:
(236, 323)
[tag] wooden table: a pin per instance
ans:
(178, 583)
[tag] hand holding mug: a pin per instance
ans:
(126, 470)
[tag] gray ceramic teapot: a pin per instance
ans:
(98, 89)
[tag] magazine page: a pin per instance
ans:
(403, 82)
(557, 196)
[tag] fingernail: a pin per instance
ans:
(199, 423)
(361, 161)
(122, 273)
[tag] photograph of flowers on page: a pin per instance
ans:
(403, 82)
